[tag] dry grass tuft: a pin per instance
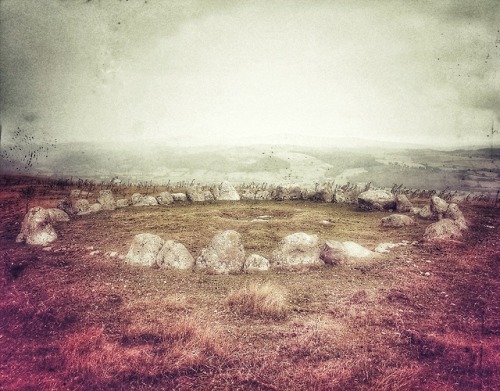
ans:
(154, 352)
(261, 301)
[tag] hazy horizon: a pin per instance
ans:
(239, 73)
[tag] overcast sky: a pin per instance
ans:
(216, 72)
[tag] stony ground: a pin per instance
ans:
(424, 317)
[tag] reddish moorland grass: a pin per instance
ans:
(424, 317)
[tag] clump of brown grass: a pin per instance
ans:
(154, 353)
(265, 300)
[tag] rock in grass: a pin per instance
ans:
(37, 228)
(144, 249)
(355, 250)
(397, 221)
(224, 254)
(444, 229)
(174, 255)
(403, 204)
(165, 198)
(377, 200)
(333, 253)
(81, 207)
(296, 250)
(256, 263)
(95, 208)
(227, 192)
(454, 213)
(57, 215)
(106, 200)
(438, 206)
(195, 194)
(122, 203)
(143, 200)
(179, 197)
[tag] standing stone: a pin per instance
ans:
(106, 199)
(174, 255)
(297, 249)
(227, 192)
(454, 213)
(165, 198)
(438, 206)
(403, 204)
(224, 254)
(195, 194)
(36, 228)
(144, 249)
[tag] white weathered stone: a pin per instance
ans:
(174, 255)
(165, 198)
(333, 253)
(122, 203)
(106, 200)
(355, 250)
(256, 263)
(377, 200)
(444, 229)
(37, 228)
(144, 249)
(179, 197)
(224, 254)
(227, 192)
(297, 249)
(57, 215)
(403, 204)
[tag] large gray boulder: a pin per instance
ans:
(355, 250)
(144, 249)
(57, 215)
(403, 204)
(256, 263)
(438, 206)
(37, 228)
(106, 200)
(195, 194)
(81, 207)
(123, 203)
(179, 197)
(297, 249)
(445, 229)
(377, 200)
(174, 255)
(454, 213)
(333, 253)
(224, 254)
(397, 221)
(227, 192)
(165, 198)
(143, 200)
